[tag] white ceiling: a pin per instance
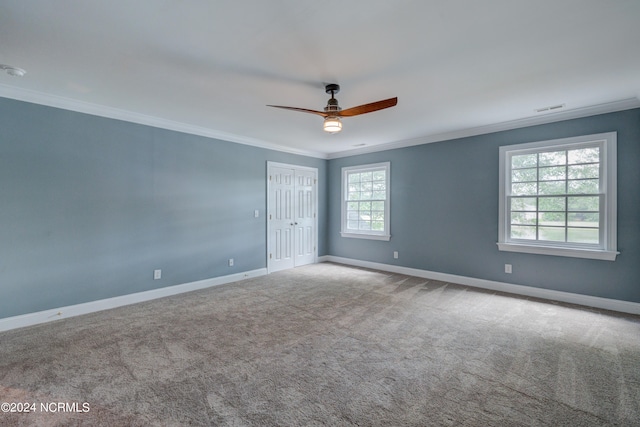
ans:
(210, 67)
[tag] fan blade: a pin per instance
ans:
(368, 108)
(302, 110)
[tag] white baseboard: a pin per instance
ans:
(105, 304)
(548, 294)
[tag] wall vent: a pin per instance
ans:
(550, 108)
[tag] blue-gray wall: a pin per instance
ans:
(90, 206)
(444, 211)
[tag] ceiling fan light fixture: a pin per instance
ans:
(332, 124)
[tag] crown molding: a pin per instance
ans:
(609, 107)
(56, 101)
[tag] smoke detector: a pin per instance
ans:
(13, 71)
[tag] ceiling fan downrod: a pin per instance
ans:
(332, 104)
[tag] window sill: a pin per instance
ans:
(556, 251)
(366, 236)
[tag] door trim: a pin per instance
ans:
(315, 203)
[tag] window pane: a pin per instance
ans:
(353, 195)
(524, 161)
(582, 219)
(353, 215)
(584, 186)
(523, 204)
(377, 225)
(377, 206)
(552, 218)
(366, 195)
(364, 216)
(354, 177)
(552, 158)
(552, 173)
(379, 195)
(583, 235)
(352, 206)
(552, 203)
(366, 186)
(366, 176)
(377, 215)
(530, 188)
(523, 218)
(552, 234)
(379, 186)
(552, 187)
(365, 225)
(379, 176)
(352, 225)
(584, 171)
(584, 155)
(523, 175)
(584, 204)
(365, 206)
(523, 232)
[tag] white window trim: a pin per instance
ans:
(609, 159)
(366, 234)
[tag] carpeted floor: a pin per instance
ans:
(328, 345)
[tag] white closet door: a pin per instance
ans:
(291, 217)
(304, 217)
(281, 219)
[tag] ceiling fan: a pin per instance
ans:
(332, 112)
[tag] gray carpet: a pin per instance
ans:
(329, 345)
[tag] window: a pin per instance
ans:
(365, 201)
(559, 197)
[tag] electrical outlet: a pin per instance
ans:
(395, 254)
(256, 213)
(157, 274)
(507, 268)
(230, 262)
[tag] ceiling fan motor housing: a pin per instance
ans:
(332, 106)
